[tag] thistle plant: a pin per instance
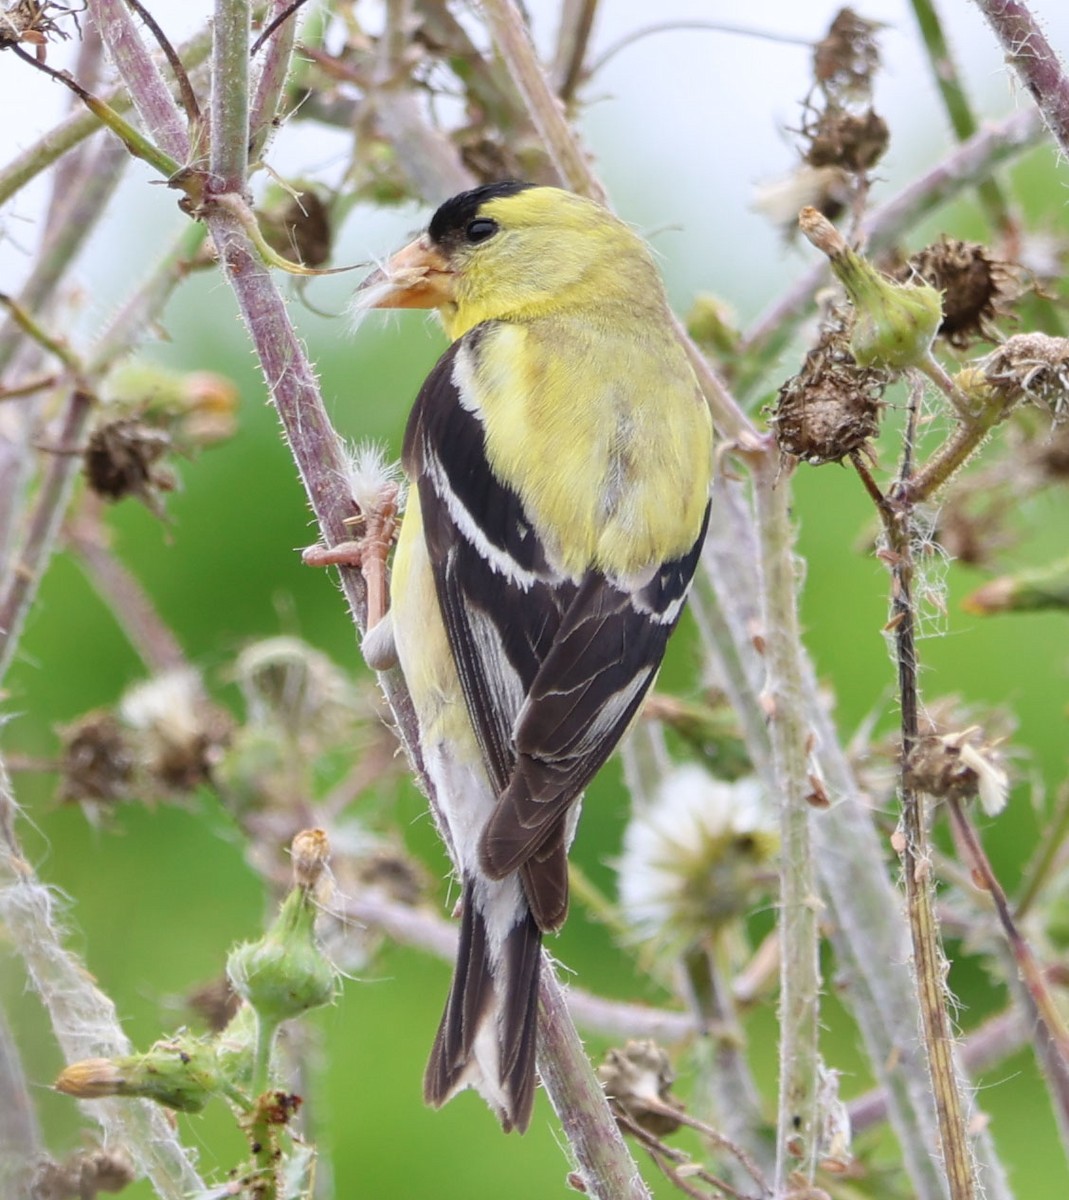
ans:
(777, 869)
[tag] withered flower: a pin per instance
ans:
(123, 459)
(1032, 366)
(832, 406)
(847, 57)
(977, 289)
(637, 1081)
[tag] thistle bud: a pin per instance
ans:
(181, 1073)
(896, 323)
(285, 973)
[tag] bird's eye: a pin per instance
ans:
(478, 229)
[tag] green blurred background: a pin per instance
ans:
(158, 896)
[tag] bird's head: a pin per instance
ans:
(515, 251)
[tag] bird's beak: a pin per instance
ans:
(417, 276)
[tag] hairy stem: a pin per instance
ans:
(797, 1125)
(1033, 58)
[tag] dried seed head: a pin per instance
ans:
(83, 1173)
(97, 760)
(957, 766)
(637, 1081)
(297, 226)
(181, 733)
(1031, 366)
(832, 406)
(853, 142)
(847, 57)
(123, 459)
(33, 22)
(976, 288)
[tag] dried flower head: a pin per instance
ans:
(977, 289)
(1032, 366)
(33, 23)
(122, 459)
(847, 57)
(852, 142)
(832, 406)
(297, 224)
(97, 760)
(960, 765)
(637, 1081)
(288, 683)
(697, 856)
(85, 1173)
(182, 734)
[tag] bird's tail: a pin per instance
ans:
(487, 1036)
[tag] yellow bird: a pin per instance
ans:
(559, 455)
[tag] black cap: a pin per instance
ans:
(452, 216)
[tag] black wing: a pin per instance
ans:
(552, 670)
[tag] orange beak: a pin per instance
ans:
(417, 276)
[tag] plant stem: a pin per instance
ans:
(139, 71)
(605, 1165)
(271, 82)
(928, 963)
(229, 135)
(1032, 57)
(951, 89)
(797, 1125)
(19, 585)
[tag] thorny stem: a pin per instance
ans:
(78, 126)
(1031, 972)
(148, 89)
(19, 586)
(229, 136)
(274, 69)
(955, 101)
(513, 40)
(797, 1125)
(1034, 60)
(928, 963)
(573, 37)
(134, 141)
(186, 94)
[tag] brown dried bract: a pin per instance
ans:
(847, 57)
(123, 459)
(854, 142)
(832, 406)
(98, 760)
(977, 289)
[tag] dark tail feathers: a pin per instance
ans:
(487, 1036)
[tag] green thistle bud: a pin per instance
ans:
(711, 324)
(181, 1073)
(285, 973)
(896, 323)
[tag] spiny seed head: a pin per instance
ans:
(976, 288)
(1032, 366)
(832, 406)
(853, 142)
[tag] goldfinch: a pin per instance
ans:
(559, 456)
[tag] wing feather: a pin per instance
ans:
(552, 670)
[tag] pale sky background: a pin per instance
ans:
(683, 124)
